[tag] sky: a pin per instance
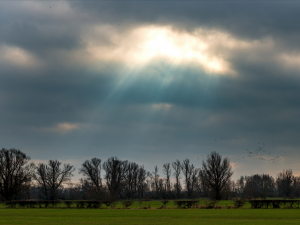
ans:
(152, 82)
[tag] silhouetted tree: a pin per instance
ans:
(132, 179)
(203, 189)
(15, 172)
(51, 176)
(240, 186)
(91, 170)
(156, 180)
(177, 170)
(259, 186)
(296, 187)
(115, 175)
(167, 172)
(284, 182)
(142, 175)
(73, 191)
(190, 175)
(216, 174)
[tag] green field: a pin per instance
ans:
(149, 216)
(152, 215)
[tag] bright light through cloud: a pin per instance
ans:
(145, 44)
(62, 128)
(162, 106)
(18, 57)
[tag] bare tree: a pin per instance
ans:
(284, 183)
(51, 176)
(177, 167)
(116, 172)
(190, 174)
(167, 172)
(131, 179)
(142, 186)
(240, 186)
(296, 186)
(257, 186)
(161, 191)
(156, 181)
(216, 174)
(15, 172)
(91, 170)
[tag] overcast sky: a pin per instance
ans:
(152, 81)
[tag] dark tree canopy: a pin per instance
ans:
(132, 179)
(51, 176)
(116, 172)
(91, 170)
(284, 182)
(167, 172)
(190, 176)
(15, 172)
(128, 180)
(256, 186)
(177, 170)
(216, 174)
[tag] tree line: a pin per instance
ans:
(121, 179)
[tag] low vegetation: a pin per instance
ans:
(177, 204)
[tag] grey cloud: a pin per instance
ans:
(245, 19)
(121, 120)
(37, 32)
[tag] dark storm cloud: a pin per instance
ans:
(67, 110)
(246, 19)
(59, 96)
(32, 26)
(31, 37)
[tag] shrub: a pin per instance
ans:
(97, 204)
(256, 204)
(92, 204)
(107, 203)
(276, 204)
(210, 204)
(39, 204)
(238, 203)
(46, 204)
(23, 204)
(291, 203)
(77, 203)
(89, 204)
(68, 203)
(80, 204)
(54, 203)
(178, 203)
(164, 202)
(113, 204)
(185, 203)
(298, 203)
(140, 203)
(32, 203)
(127, 203)
(11, 204)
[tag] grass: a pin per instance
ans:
(149, 216)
